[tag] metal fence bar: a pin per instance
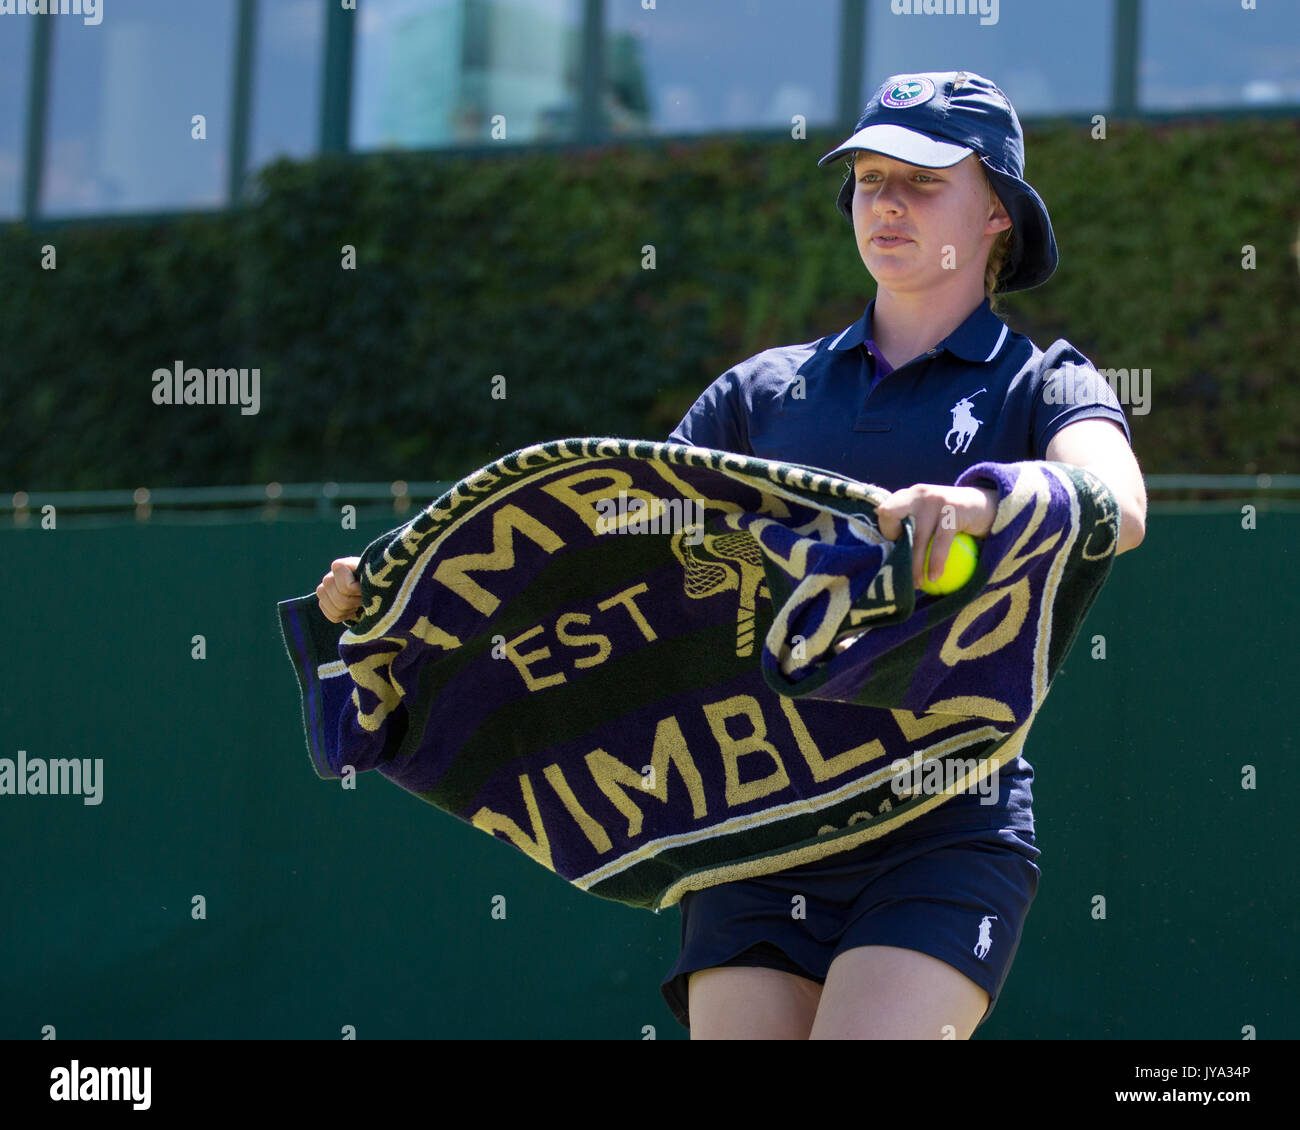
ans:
(329, 493)
(591, 74)
(336, 97)
(1124, 62)
(1221, 482)
(853, 31)
(223, 496)
(241, 99)
(38, 101)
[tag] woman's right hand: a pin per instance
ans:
(339, 592)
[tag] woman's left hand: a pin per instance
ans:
(972, 511)
(938, 512)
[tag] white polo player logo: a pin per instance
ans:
(964, 425)
(985, 943)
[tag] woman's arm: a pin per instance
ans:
(1100, 446)
(939, 512)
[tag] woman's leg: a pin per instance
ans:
(744, 1002)
(889, 993)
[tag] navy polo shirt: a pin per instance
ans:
(983, 393)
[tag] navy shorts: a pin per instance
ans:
(961, 897)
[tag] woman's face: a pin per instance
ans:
(945, 221)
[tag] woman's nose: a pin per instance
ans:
(887, 197)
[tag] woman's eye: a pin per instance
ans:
(924, 178)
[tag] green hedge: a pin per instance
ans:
(530, 266)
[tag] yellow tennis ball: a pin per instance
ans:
(957, 570)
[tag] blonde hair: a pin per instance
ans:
(998, 253)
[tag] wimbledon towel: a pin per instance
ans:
(619, 657)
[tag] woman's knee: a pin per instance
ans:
(742, 1002)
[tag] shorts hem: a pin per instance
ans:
(912, 908)
(753, 956)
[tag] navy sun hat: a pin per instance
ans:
(938, 118)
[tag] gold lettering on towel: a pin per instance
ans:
(1017, 596)
(823, 769)
(733, 749)
(583, 503)
(533, 682)
(590, 828)
(625, 598)
(914, 726)
(433, 635)
(611, 775)
(537, 847)
(1031, 489)
(602, 644)
(974, 706)
(374, 673)
(454, 571)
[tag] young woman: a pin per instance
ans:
(912, 935)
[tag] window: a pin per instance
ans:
(287, 75)
(1217, 53)
(15, 60)
(720, 65)
(437, 72)
(122, 96)
(1048, 58)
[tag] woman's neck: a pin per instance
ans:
(907, 325)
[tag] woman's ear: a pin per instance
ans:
(998, 220)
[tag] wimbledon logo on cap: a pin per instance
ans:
(910, 93)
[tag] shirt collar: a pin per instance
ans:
(979, 338)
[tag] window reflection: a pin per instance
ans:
(438, 72)
(122, 97)
(719, 65)
(287, 73)
(1021, 51)
(1203, 53)
(15, 50)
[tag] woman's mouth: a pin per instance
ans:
(889, 240)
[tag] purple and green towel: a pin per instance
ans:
(619, 657)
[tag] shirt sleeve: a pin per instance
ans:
(719, 419)
(1067, 388)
